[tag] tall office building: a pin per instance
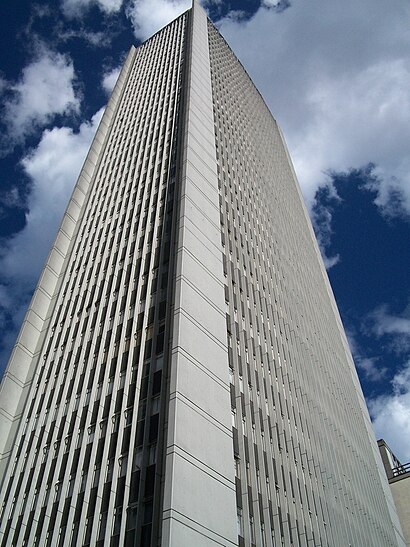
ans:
(182, 377)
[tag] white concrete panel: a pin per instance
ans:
(201, 308)
(198, 119)
(29, 336)
(78, 200)
(199, 219)
(193, 433)
(74, 209)
(196, 343)
(199, 463)
(201, 173)
(191, 498)
(205, 390)
(203, 200)
(206, 249)
(199, 274)
(23, 360)
(34, 318)
(9, 399)
(68, 226)
(48, 281)
(62, 242)
(183, 532)
(55, 260)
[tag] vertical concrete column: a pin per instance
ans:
(199, 494)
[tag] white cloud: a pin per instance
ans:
(149, 16)
(270, 3)
(395, 328)
(338, 81)
(95, 39)
(11, 198)
(322, 221)
(391, 415)
(372, 371)
(46, 88)
(386, 323)
(52, 167)
(3, 84)
(390, 412)
(109, 79)
(368, 365)
(76, 8)
(330, 261)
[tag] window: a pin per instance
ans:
(103, 427)
(58, 491)
(88, 528)
(91, 433)
(115, 422)
(96, 476)
(237, 463)
(123, 461)
(252, 529)
(131, 518)
(152, 458)
(70, 486)
(233, 415)
(137, 459)
(110, 470)
(128, 413)
(116, 527)
(239, 520)
(83, 480)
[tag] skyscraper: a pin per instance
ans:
(182, 377)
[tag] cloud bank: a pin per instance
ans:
(391, 415)
(149, 16)
(77, 8)
(336, 75)
(393, 330)
(109, 79)
(46, 88)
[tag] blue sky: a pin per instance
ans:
(336, 75)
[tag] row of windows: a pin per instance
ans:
(278, 419)
(98, 393)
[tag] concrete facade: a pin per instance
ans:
(307, 465)
(199, 500)
(182, 376)
(398, 476)
(400, 487)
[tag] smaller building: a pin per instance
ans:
(398, 475)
